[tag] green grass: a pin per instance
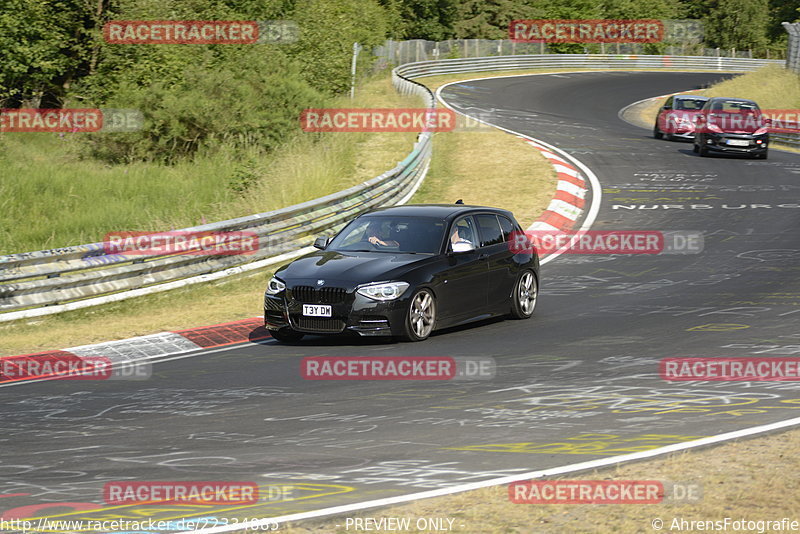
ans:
(51, 197)
(773, 87)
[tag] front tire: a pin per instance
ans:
(657, 133)
(524, 297)
(420, 317)
(286, 335)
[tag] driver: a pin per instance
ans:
(455, 238)
(376, 237)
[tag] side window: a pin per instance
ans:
(506, 226)
(491, 234)
(463, 231)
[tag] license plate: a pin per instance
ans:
(316, 310)
(738, 142)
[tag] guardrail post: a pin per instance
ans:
(793, 47)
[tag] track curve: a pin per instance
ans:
(578, 382)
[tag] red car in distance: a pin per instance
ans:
(675, 119)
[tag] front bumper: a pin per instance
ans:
(680, 131)
(683, 135)
(756, 144)
(350, 312)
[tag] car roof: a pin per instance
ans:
(691, 97)
(441, 211)
(733, 99)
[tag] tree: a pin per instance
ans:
(641, 9)
(740, 24)
(429, 19)
(328, 29)
(479, 19)
(782, 11)
(44, 45)
(697, 9)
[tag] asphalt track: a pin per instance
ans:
(577, 382)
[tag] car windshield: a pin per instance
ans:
(689, 103)
(735, 106)
(398, 234)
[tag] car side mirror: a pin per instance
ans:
(321, 242)
(462, 247)
(767, 122)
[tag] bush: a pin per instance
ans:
(328, 29)
(251, 98)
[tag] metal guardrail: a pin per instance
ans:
(51, 281)
(790, 139)
(582, 61)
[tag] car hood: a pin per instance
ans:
(347, 269)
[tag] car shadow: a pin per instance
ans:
(260, 336)
(690, 152)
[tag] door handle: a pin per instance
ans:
(483, 256)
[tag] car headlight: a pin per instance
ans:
(383, 290)
(275, 286)
(762, 130)
(714, 128)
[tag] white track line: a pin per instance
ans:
(593, 181)
(588, 221)
(553, 471)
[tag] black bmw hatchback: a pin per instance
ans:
(406, 271)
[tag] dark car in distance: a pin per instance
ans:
(405, 271)
(675, 119)
(731, 126)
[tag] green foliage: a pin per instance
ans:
(430, 19)
(782, 11)
(251, 98)
(697, 9)
(246, 175)
(43, 46)
(642, 9)
(328, 29)
(478, 19)
(739, 24)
